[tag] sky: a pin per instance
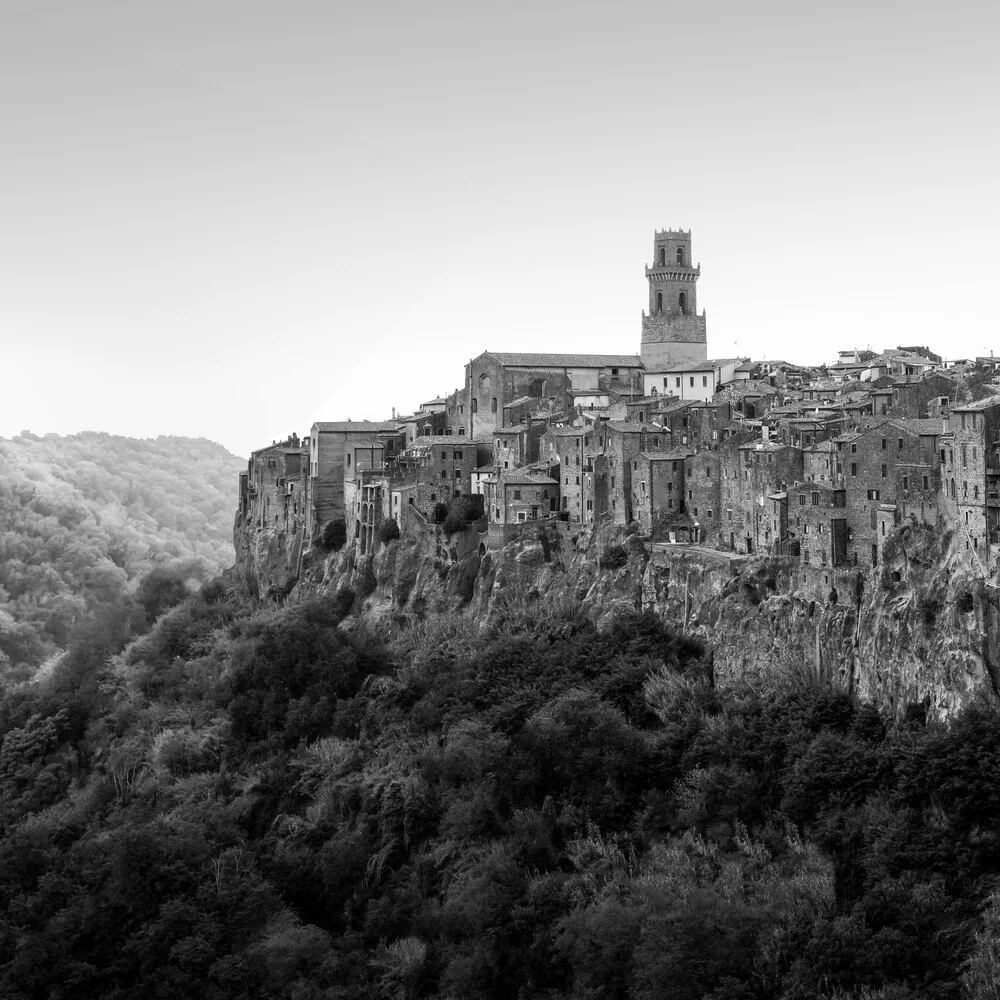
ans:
(230, 218)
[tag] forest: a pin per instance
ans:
(245, 800)
(85, 519)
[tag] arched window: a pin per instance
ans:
(475, 405)
(663, 256)
(680, 256)
(659, 302)
(682, 303)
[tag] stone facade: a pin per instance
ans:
(514, 497)
(274, 489)
(672, 330)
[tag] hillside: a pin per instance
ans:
(85, 518)
(261, 801)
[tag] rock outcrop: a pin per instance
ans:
(922, 628)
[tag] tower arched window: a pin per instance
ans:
(682, 303)
(659, 302)
(663, 256)
(680, 256)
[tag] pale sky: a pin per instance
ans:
(230, 218)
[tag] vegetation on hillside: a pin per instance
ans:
(84, 519)
(264, 802)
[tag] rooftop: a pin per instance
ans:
(355, 426)
(518, 478)
(566, 360)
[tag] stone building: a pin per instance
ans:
(703, 491)
(699, 379)
(751, 473)
(274, 489)
(514, 497)
(817, 519)
(441, 469)
(494, 381)
(972, 470)
(889, 468)
(328, 444)
(658, 495)
(672, 330)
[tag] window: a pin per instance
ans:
(348, 460)
(710, 512)
(434, 496)
(458, 456)
(678, 381)
(614, 371)
(444, 473)
(815, 499)
(680, 256)
(493, 405)
(883, 444)
(899, 441)
(642, 486)
(925, 482)
(695, 511)
(906, 482)
(965, 461)
(590, 505)
(682, 303)
(692, 381)
(854, 448)
(963, 421)
(517, 494)
(670, 504)
(663, 256)
(704, 380)
(885, 471)
(577, 480)
(458, 473)
(475, 405)
(444, 456)
(659, 302)
(664, 383)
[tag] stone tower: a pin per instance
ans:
(672, 331)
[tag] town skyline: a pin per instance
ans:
(210, 216)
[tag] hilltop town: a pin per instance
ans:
(818, 464)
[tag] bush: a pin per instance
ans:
(388, 530)
(613, 557)
(459, 514)
(334, 535)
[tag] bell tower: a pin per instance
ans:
(672, 331)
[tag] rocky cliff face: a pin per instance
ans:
(924, 627)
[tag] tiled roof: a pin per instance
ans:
(697, 366)
(675, 455)
(634, 426)
(925, 425)
(979, 404)
(523, 479)
(567, 431)
(567, 360)
(355, 426)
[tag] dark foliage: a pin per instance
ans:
(334, 535)
(258, 803)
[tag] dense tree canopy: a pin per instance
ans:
(84, 519)
(273, 802)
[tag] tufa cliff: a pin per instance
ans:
(922, 628)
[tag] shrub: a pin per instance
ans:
(334, 535)
(388, 530)
(613, 557)
(459, 514)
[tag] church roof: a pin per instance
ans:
(516, 360)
